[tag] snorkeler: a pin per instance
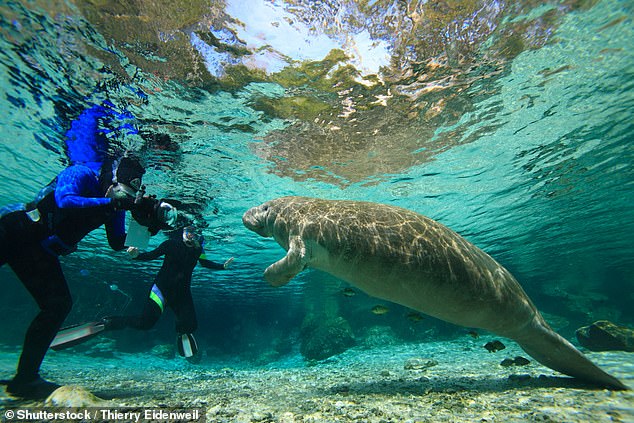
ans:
(172, 288)
(34, 235)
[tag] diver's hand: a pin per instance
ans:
(145, 209)
(133, 251)
(228, 263)
(126, 203)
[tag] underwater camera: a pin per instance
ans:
(153, 213)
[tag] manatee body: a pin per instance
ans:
(404, 257)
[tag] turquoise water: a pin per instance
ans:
(511, 124)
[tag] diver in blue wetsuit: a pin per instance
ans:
(172, 288)
(33, 235)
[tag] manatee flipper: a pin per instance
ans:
(554, 351)
(282, 271)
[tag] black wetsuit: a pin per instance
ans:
(32, 236)
(174, 288)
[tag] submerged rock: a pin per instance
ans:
(606, 336)
(321, 339)
(73, 396)
(379, 336)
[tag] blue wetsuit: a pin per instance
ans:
(83, 208)
(33, 235)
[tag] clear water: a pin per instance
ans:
(510, 123)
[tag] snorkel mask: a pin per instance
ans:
(118, 191)
(148, 211)
(191, 237)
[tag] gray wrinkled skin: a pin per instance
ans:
(404, 257)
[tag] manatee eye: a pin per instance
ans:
(265, 207)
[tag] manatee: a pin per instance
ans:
(401, 256)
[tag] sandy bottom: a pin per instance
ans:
(466, 385)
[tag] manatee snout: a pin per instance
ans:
(254, 219)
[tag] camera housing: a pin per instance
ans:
(154, 214)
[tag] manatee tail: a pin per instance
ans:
(552, 350)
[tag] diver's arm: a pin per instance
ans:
(154, 254)
(115, 231)
(208, 264)
(73, 184)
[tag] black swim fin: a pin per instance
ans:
(76, 334)
(186, 344)
(32, 389)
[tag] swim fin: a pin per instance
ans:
(76, 334)
(186, 344)
(34, 388)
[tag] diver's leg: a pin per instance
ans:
(186, 324)
(42, 276)
(152, 311)
(185, 312)
(151, 314)
(16, 234)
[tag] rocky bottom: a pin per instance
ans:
(453, 381)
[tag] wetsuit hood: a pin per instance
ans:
(129, 172)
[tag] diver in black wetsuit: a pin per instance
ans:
(33, 235)
(172, 288)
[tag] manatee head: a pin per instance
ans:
(260, 219)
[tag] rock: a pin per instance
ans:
(379, 336)
(606, 336)
(287, 417)
(261, 416)
(321, 339)
(73, 396)
(419, 364)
